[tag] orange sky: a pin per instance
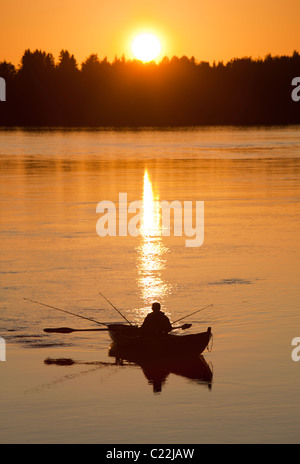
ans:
(209, 30)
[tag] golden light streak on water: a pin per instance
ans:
(152, 250)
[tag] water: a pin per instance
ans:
(66, 388)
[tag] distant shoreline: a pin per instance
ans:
(177, 92)
(138, 128)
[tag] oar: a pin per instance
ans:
(183, 327)
(67, 330)
(64, 311)
(115, 308)
(193, 313)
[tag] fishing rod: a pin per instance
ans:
(192, 313)
(116, 309)
(67, 312)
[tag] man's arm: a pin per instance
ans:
(168, 324)
(145, 324)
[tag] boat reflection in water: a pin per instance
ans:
(157, 371)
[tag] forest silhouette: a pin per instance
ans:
(129, 93)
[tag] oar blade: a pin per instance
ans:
(186, 326)
(63, 330)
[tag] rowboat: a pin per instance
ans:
(131, 339)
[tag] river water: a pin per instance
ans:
(62, 388)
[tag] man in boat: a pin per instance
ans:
(156, 323)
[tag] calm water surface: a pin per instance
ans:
(66, 388)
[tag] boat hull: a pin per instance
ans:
(130, 339)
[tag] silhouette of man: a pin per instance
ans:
(156, 323)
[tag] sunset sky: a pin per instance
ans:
(209, 30)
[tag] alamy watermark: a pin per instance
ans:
(296, 91)
(136, 219)
(2, 349)
(2, 89)
(296, 351)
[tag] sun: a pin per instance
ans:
(146, 47)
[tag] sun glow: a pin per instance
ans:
(146, 47)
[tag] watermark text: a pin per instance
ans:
(2, 89)
(296, 351)
(152, 220)
(296, 90)
(2, 350)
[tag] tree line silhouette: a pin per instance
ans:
(175, 92)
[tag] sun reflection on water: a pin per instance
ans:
(151, 251)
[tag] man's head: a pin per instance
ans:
(156, 307)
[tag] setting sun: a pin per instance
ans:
(146, 47)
